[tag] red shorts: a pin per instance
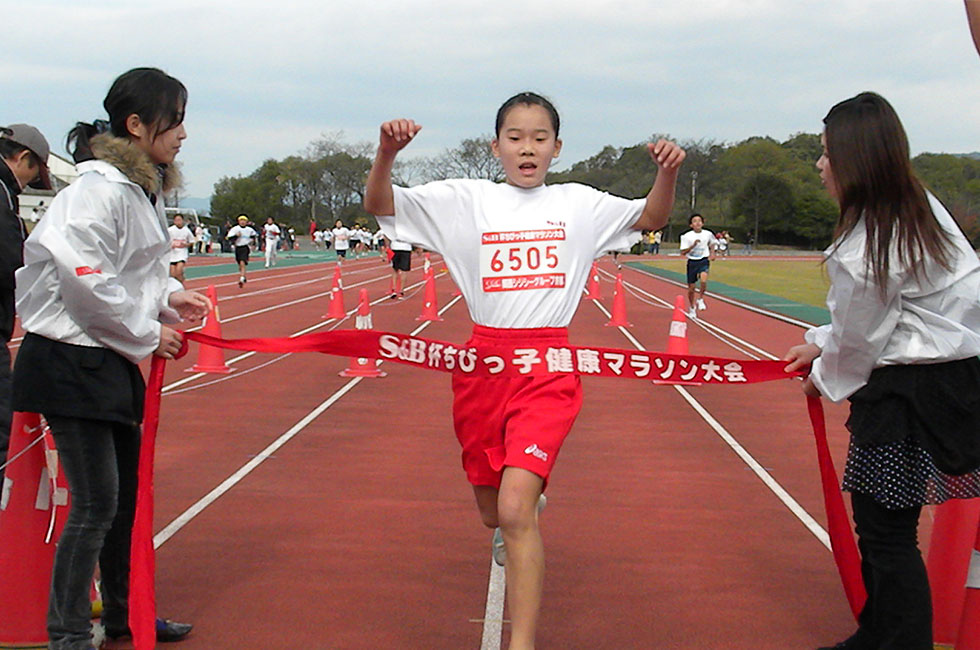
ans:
(513, 422)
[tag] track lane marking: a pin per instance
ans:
(792, 504)
(190, 513)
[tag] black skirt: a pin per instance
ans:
(77, 381)
(915, 434)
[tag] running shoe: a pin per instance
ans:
(701, 304)
(692, 313)
(241, 282)
(497, 546)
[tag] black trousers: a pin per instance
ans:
(898, 612)
(100, 460)
(6, 413)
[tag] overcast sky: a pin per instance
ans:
(267, 78)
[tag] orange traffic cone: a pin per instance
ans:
(336, 309)
(361, 366)
(210, 358)
(32, 492)
(619, 306)
(968, 637)
(593, 283)
(677, 337)
(429, 307)
(953, 532)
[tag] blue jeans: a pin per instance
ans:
(100, 461)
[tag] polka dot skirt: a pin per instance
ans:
(902, 475)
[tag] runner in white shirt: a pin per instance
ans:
(272, 232)
(341, 239)
(318, 239)
(520, 252)
(699, 245)
(181, 240)
(242, 236)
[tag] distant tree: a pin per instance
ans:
(955, 180)
(471, 158)
(764, 203)
(805, 147)
(260, 194)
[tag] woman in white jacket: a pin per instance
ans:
(902, 346)
(93, 296)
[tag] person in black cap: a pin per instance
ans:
(24, 155)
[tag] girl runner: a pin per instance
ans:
(902, 347)
(521, 253)
(92, 297)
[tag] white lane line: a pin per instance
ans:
(730, 301)
(246, 355)
(493, 618)
(184, 518)
(805, 518)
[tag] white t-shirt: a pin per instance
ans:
(271, 232)
(318, 236)
(341, 238)
(702, 242)
(520, 256)
(242, 234)
(400, 246)
(182, 235)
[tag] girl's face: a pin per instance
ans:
(161, 147)
(526, 145)
(826, 171)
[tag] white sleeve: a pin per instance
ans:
(427, 215)
(613, 219)
(862, 321)
(86, 254)
(818, 335)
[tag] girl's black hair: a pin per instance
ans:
(156, 97)
(869, 155)
(527, 98)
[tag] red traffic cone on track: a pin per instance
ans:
(954, 530)
(29, 528)
(336, 309)
(619, 306)
(593, 284)
(968, 637)
(677, 336)
(361, 366)
(209, 358)
(429, 306)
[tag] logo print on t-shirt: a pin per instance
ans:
(523, 259)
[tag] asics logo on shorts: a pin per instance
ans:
(533, 450)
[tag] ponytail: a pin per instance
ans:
(78, 141)
(156, 97)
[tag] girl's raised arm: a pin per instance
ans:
(379, 200)
(660, 200)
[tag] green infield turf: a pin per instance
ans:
(796, 288)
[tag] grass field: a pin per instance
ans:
(803, 280)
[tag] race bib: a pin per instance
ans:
(524, 259)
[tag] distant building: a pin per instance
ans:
(33, 203)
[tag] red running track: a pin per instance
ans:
(360, 531)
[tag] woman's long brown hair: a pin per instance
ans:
(869, 156)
